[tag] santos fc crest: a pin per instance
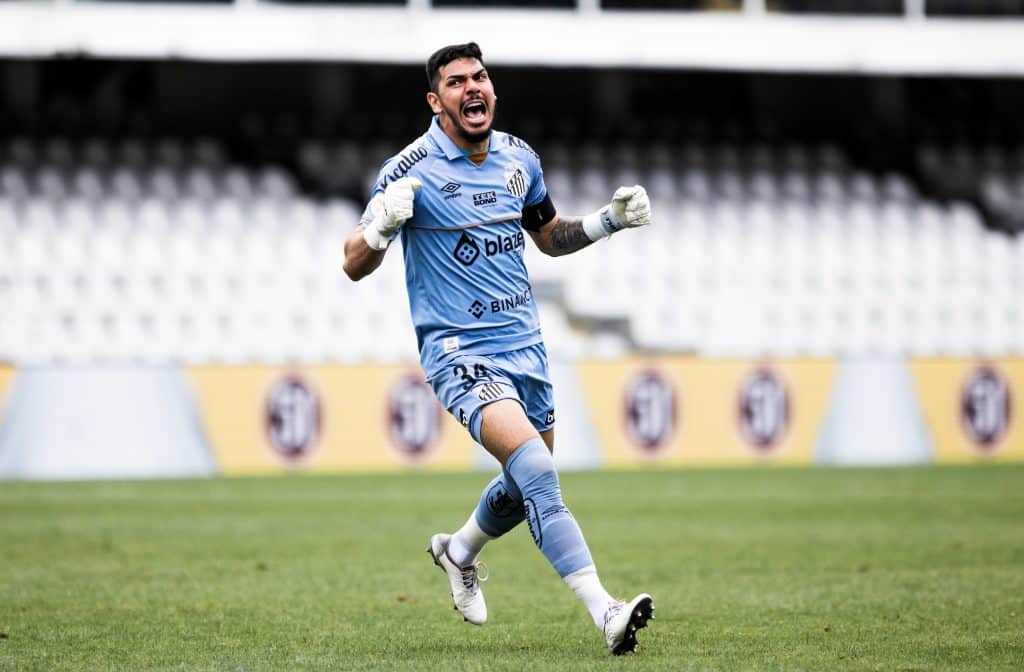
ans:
(515, 179)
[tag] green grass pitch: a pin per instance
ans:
(772, 569)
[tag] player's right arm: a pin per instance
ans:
(360, 258)
(387, 212)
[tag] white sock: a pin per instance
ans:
(588, 588)
(467, 543)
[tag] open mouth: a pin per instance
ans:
(475, 112)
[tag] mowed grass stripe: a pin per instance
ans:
(789, 569)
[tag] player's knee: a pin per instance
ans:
(504, 427)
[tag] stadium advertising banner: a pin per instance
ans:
(267, 419)
(6, 374)
(689, 411)
(972, 407)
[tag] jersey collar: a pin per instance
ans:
(448, 146)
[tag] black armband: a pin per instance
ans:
(539, 214)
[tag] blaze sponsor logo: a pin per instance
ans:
(414, 419)
(985, 408)
(763, 410)
(650, 402)
(467, 250)
(485, 199)
(405, 164)
(292, 418)
(549, 419)
(504, 244)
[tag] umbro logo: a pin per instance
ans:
(451, 190)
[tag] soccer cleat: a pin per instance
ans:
(623, 619)
(464, 581)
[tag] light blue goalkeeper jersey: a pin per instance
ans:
(469, 292)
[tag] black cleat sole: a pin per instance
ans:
(642, 613)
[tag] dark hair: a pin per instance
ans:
(446, 55)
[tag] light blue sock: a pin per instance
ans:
(501, 506)
(553, 528)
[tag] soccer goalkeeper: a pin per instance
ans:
(460, 196)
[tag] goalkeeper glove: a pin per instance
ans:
(630, 207)
(392, 210)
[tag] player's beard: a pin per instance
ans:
(472, 137)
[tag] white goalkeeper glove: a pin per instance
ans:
(630, 207)
(391, 211)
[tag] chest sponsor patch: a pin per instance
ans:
(485, 199)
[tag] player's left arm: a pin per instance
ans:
(629, 208)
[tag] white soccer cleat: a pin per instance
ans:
(464, 581)
(623, 619)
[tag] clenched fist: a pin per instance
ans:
(393, 208)
(630, 208)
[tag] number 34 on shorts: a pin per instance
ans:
(471, 381)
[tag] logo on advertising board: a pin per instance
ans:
(414, 419)
(292, 419)
(985, 408)
(650, 402)
(764, 410)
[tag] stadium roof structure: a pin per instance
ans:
(748, 41)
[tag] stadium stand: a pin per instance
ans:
(169, 251)
(978, 8)
(865, 7)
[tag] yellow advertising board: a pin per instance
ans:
(271, 419)
(689, 411)
(972, 407)
(6, 375)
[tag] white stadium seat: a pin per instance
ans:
(142, 253)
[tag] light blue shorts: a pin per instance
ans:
(470, 382)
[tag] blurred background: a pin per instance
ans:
(836, 265)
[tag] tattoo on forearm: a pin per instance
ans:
(568, 235)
